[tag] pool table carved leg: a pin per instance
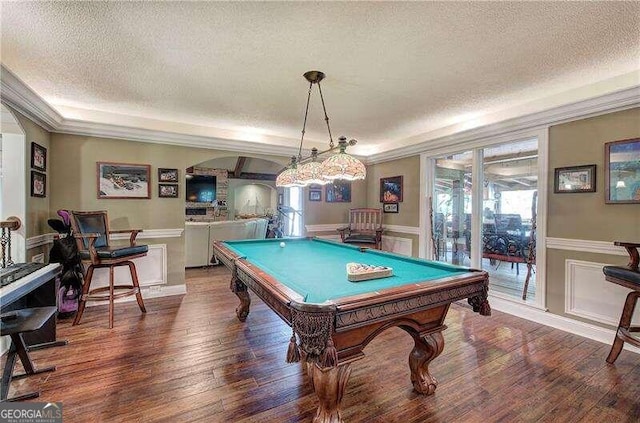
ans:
(241, 291)
(426, 348)
(329, 385)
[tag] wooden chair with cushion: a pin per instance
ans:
(365, 227)
(629, 277)
(91, 230)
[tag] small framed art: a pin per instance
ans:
(390, 207)
(38, 157)
(315, 195)
(38, 184)
(338, 192)
(167, 175)
(168, 190)
(574, 179)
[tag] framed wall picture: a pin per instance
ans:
(38, 157)
(338, 192)
(622, 171)
(315, 195)
(38, 184)
(168, 190)
(391, 189)
(167, 175)
(574, 179)
(123, 180)
(390, 207)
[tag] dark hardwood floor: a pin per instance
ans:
(190, 360)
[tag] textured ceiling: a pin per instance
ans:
(396, 72)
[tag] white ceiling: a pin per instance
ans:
(398, 73)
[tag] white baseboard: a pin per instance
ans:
(587, 330)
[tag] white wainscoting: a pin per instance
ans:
(394, 244)
(397, 245)
(151, 269)
(590, 296)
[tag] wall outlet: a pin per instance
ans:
(38, 258)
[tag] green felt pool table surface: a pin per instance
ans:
(316, 268)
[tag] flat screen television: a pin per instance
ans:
(201, 189)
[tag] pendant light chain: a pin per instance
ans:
(326, 118)
(304, 125)
(340, 166)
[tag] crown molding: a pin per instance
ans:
(16, 94)
(612, 102)
(94, 129)
(19, 96)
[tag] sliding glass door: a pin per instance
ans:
(510, 194)
(451, 209)
(483, 214)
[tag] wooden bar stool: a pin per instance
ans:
(629, 277)
(15, 324)
(91, 230)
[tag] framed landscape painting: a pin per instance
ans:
(123, 180)
(622, 171)
(575, 179)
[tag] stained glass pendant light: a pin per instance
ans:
(311, 172)
(338, 166)
(289, 177)
(342, 165)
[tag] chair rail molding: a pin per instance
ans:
(44, 239)
(585, 245)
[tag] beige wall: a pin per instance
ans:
(321, 212)
(409, 209)
(73, 185)
(37, 208)
(585, 216)
(580, 143)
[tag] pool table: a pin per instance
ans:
(305, 282)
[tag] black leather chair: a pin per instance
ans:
(91, 230)
(15, 324)
(629, 277)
